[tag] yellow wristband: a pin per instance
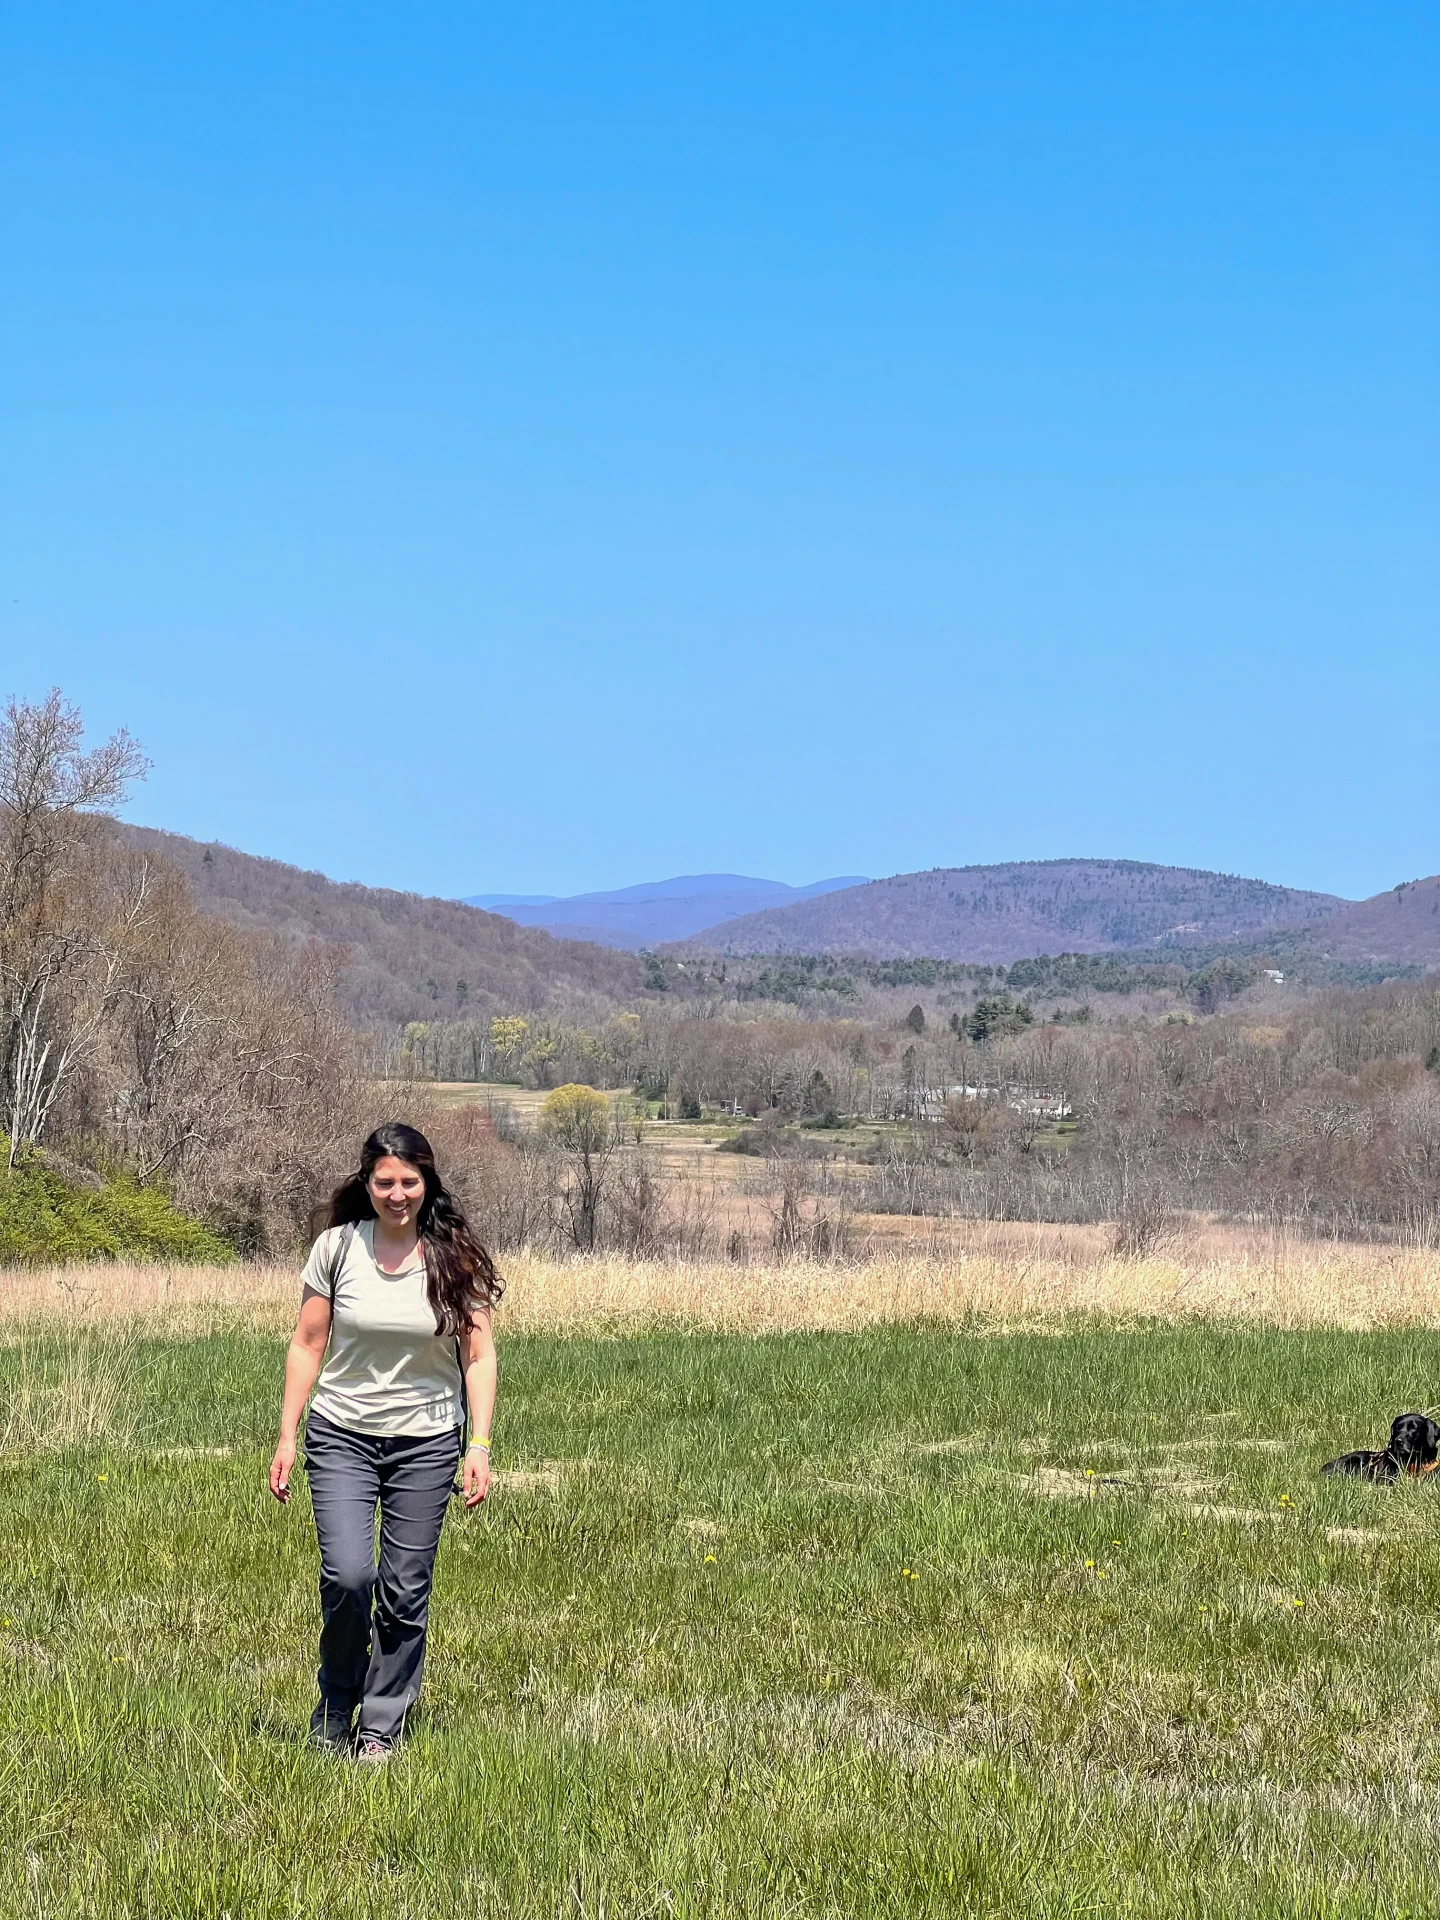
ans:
(476, 1441)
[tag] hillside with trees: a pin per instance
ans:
(997, 914)
(142, 1042)
(206, 1040)
(1401, 924)
(404, 957)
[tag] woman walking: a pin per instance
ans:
(401, 1291)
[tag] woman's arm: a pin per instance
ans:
(481, 1379)
(303, 1362)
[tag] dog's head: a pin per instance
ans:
(1414, 1442)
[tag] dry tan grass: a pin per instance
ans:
(183, 1300)
(1003, 1276)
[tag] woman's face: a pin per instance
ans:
(396, 1190)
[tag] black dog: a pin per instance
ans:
(1411, 1450)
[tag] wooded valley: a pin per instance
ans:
(217, 1032)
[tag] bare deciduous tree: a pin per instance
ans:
(62, 924)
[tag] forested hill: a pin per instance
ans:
(410, 958)
(1003, 913)
(1401, 924)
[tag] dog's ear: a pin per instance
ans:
(1431, 1439)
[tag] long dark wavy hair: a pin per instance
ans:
(460, 1276)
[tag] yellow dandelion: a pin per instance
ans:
(1089, 1563)
(710, 1560)
(102, 1478)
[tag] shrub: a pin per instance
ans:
(1146, 1226)
(48, 1218)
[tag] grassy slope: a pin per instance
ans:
(615, 1725)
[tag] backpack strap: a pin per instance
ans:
(333, 1270)
(338, 1258)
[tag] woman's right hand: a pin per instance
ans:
(302, 1369)
(280, 1469)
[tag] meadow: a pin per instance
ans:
(999, 1584)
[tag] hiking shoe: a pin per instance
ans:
(329, 1733)
(374, 1753)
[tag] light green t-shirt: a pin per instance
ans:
(387, 1371)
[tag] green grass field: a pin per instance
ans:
(678, 1666)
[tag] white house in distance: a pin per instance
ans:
(1049, 1103)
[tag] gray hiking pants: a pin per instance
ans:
(372, 1640)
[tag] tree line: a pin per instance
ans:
(1328, 1117)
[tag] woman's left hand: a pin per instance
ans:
(475, 1478)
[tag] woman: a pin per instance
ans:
(400, 1290)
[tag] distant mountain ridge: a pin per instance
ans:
(656, 911)
(997, 914)
(492, 902)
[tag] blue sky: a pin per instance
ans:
(551, 448)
